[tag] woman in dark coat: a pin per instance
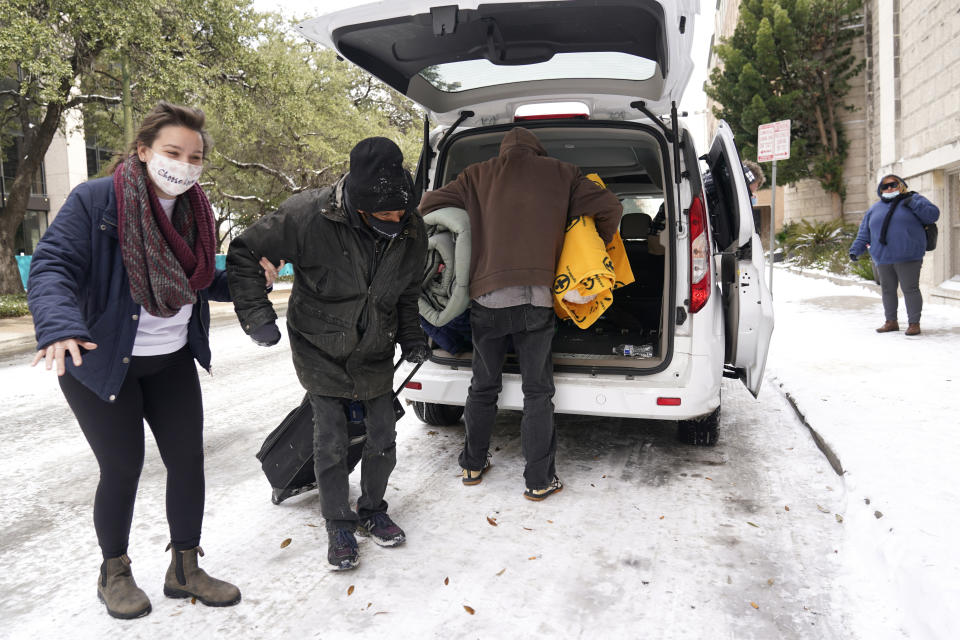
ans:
(119, 288)
(893, 230)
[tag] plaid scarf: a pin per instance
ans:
(167, 260)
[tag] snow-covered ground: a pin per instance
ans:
(755, 538)
(888, 406)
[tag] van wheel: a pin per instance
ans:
(701, 431)
(438, 415)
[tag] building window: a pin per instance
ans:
(9, 161)
(98, 159)
(29, 232)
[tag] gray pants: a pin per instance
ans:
(907, 275)
(330, 442)
(531, 330)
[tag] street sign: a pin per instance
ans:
(773, 141)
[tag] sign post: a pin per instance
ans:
(773, 143)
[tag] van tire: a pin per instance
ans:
(701, 431)
(438, 415)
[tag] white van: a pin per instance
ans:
(598, 82)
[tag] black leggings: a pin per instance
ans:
(166, 391)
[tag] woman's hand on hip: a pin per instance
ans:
(57, 352)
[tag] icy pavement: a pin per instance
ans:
(755, 538)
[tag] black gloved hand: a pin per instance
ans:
(853, 258)
(266, 335)
(415, 352)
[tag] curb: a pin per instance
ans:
(825, 448)
(841, 280)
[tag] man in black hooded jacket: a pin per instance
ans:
(358, 249)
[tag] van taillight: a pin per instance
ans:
(414, 385)
(699, 257)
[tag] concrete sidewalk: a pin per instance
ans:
(17, 336)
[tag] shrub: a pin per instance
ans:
(821, 245)
(13, 305)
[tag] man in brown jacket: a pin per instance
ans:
(519, 204)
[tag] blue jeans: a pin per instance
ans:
(531, 329)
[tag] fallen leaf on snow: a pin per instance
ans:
(661, 517)
(492, 521)
(550, 521)
(469, 609)
(770, 581)
(533, 557)
(877, 514)
(312, 525)
(786, 508)
(708, 478)
(285, 543)
(350, 590)
(500, 573)
(753, 525)
(193, 600)
(822, 510)
(431, 433)
(839, 518)
(754, 605)
(529, 529)
(446, 581)
(369, 604)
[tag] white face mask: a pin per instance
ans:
(172, 176)
(889, 195)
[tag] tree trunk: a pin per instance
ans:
(10, 281)
(15, 207)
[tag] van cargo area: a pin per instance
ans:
(629, 158)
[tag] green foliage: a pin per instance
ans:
(791, 60)
(820, 245)
(13, 305)
(284, 114)
(863, 268)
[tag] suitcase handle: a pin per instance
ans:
(412, 373)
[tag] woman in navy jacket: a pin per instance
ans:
(893, 230)
(119, 288)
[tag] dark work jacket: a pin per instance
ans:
(78, 288)
(346, 310)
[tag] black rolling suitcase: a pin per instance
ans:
(287, 453)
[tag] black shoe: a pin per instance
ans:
(342, 550)
(474, 477)
(540, 494)
(382, 529)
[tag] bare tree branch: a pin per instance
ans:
(84, 99)
(265, 169)
(239, 198)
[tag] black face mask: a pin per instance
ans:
(384, 227)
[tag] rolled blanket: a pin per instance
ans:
(445, 288)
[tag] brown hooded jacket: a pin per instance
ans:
(519, 203)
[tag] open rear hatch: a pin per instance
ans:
(490, 57)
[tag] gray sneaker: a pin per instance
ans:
(382, 529)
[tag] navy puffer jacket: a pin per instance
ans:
(78, 288)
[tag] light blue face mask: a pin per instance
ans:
(753, 200)
(889, 195)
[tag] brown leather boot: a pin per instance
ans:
(889, 325)
(117, 589)
(913, 329)
(186, 579)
